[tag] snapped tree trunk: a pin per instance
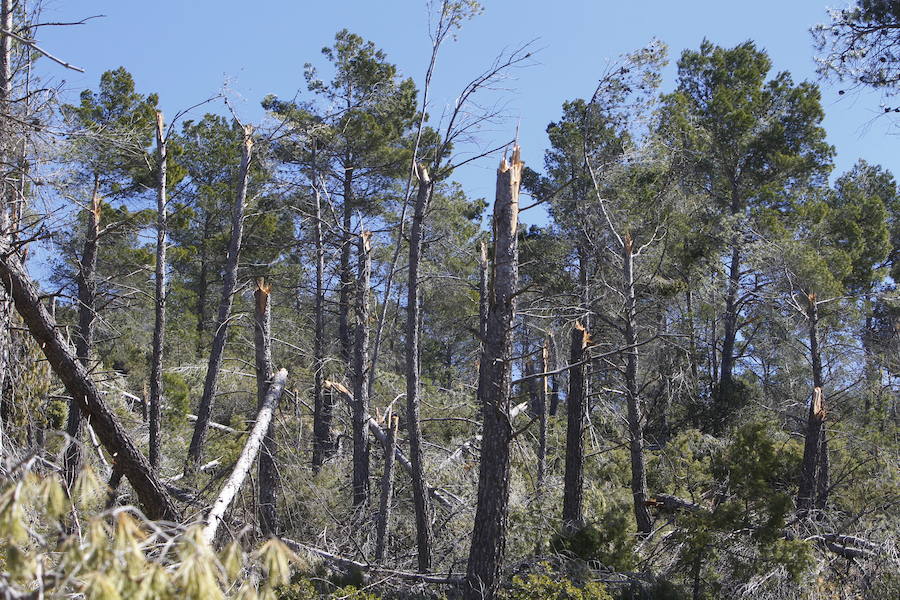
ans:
(632, 398)
(814, 468)
(268, 473)
(489, 534)
(204, 411)
(387, 489)
(573, 480)
(84, 340)
(248, 455)
(159, 325)
(128, 459)
(413, 308)
(361, 373)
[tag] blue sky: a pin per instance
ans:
(187, 51)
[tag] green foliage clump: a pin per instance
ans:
(178, 396)
(549, 586)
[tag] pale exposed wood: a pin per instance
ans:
(488, 544)
(248, 455)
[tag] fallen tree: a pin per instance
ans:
(248, 455)
(41, 325)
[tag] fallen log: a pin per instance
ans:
(364, 568)
(219, 426)
(248, 455)
(42, 326)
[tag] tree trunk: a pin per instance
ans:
(203, 284)
(553, 358)
(134, 466)
(346, 275)
(323, 441)
(159, 326)
(387, 489)
(84, 340)
(268, 473)
(635, 426)
(541, 386)
(6, 233)
(361, 374)
(413, 308)
(813, 477)
(725, 390)
(204, 411)
(489, 534)
(248, 455)
(573, 481)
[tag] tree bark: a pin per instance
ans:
(204, 411)
(6, 233)
(84, 340)
(725, 389)
(573, 481)
(413, 309)
(491, 513)
(632, 398)
(134, 466)
(248, 455)
(387, 489)
(268, 473)
(346, 274)
(813, 477)
(361, 374)
(541, 393)
(159, 326)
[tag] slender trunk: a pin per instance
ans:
(554, 380)
(692, 339)
(813, 480)
(247, 456)
(268, 473)
(725, 390)
(230, 282)
(387, 489)
(573, 481)
(491, 513)
(346, 275)
(542, 419)
(203, 285)
(361, 374)
(635, 427)
(6, 233)
(159, 327)
(84, 340)
(134, 466)
(413, 307)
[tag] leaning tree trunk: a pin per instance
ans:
(84, 340)
(204, 411)
(128, 459)
(268, 473)
(814, 468)
(361, 374)
(632, 398)
(159, 326)
(387, 488)
(573, 481)
(489, 534)
(413, 309)
(247, 456)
